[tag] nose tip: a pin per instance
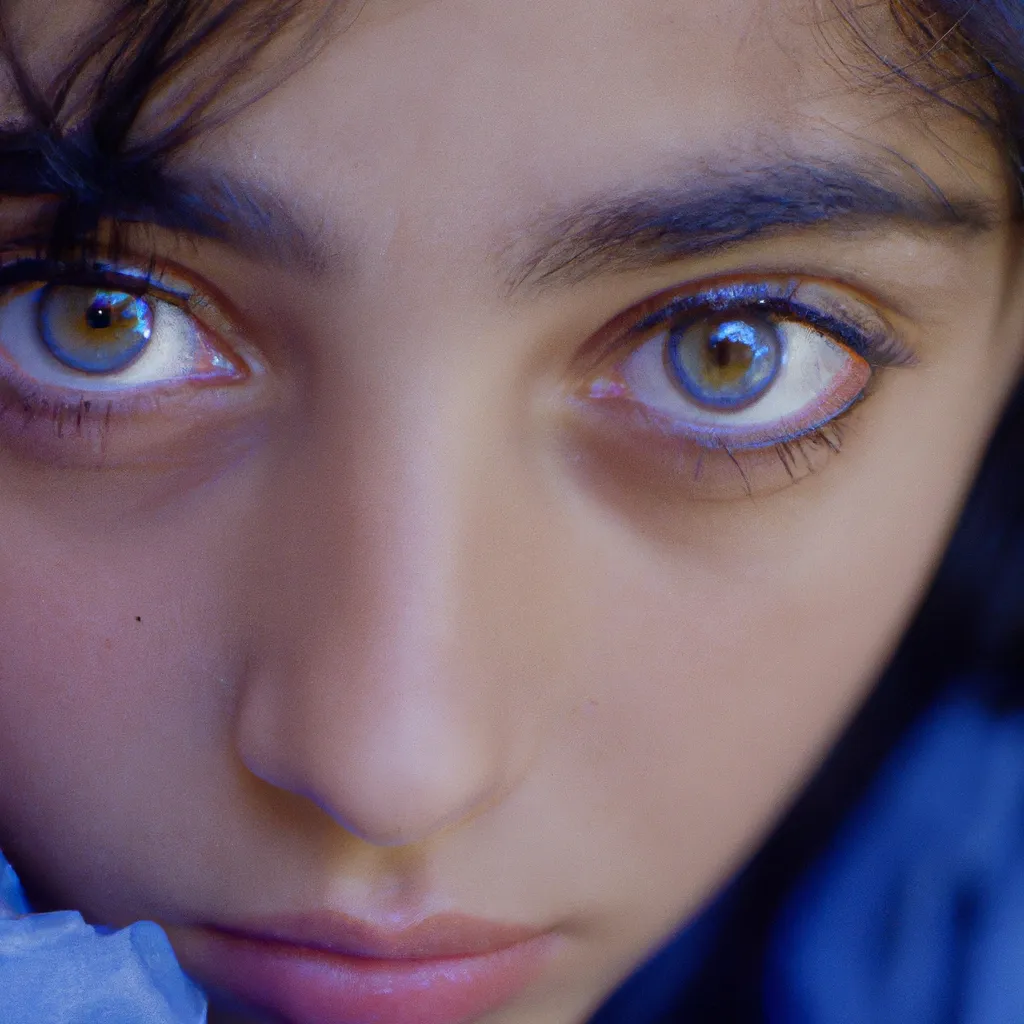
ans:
(392, 765)
(404, 796)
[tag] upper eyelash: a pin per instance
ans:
(85, 274)
(873, 342)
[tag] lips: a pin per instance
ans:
(449, 935)
(328, 968)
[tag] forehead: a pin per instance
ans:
(566, 73)
(450, 114)
(649, 71)
(623, 65)
(578, 89)
(471, 123)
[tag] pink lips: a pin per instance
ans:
(329, 968)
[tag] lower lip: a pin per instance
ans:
(309, 986)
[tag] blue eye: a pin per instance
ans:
(83, 337)
(94, 330)
(726, 362)
(731, 388)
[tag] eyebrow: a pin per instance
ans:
(631, 230)
(624, 230)
(253, 217)
(618, 230)
(250, 216)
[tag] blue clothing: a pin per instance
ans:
(916, 913)
(56, 969)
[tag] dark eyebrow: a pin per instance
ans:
(639, 229)
(617, 231)
(253, 217)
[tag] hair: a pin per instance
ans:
(152, 77)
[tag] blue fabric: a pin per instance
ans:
(916, 913)
(56, 969)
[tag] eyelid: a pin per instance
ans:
(837, 309)
(622, 400)
(88, 274)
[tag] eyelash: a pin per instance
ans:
(875, 343)
(40, 269)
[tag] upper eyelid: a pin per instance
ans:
(784, 309)
(30, 269)
(700, 298)
(855, 318)
(731, 291)
(167, 280)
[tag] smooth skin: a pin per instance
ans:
(389, 630)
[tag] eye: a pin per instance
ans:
(104, 339)
(103, 361)
(95, 330)
(739, 388)
(743, 380)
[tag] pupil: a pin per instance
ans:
(728, 353)
(99, 316)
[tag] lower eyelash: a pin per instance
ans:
(616, 434)
(87, 420)
(793, 452)
(59, 429)
(789, 454)
(794, 455)
(829, 436)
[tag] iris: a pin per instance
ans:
(725, 362)
(95, 330)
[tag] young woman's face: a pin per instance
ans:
(489, 550)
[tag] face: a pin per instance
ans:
(509, 529)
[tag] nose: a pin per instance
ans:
(389, 682)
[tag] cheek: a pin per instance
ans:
(705, 707)
(720, 654)
(110, 701)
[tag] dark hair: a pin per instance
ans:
(150, 78)
(965, 54)
(99, 138)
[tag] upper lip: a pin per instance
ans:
(438, 937)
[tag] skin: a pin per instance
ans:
(395, 634)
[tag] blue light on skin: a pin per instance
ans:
(94, 330)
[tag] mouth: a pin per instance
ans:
(333, 969)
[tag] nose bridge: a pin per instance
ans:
(381, 692)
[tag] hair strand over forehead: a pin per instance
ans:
(151, 76)
(966, 54)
